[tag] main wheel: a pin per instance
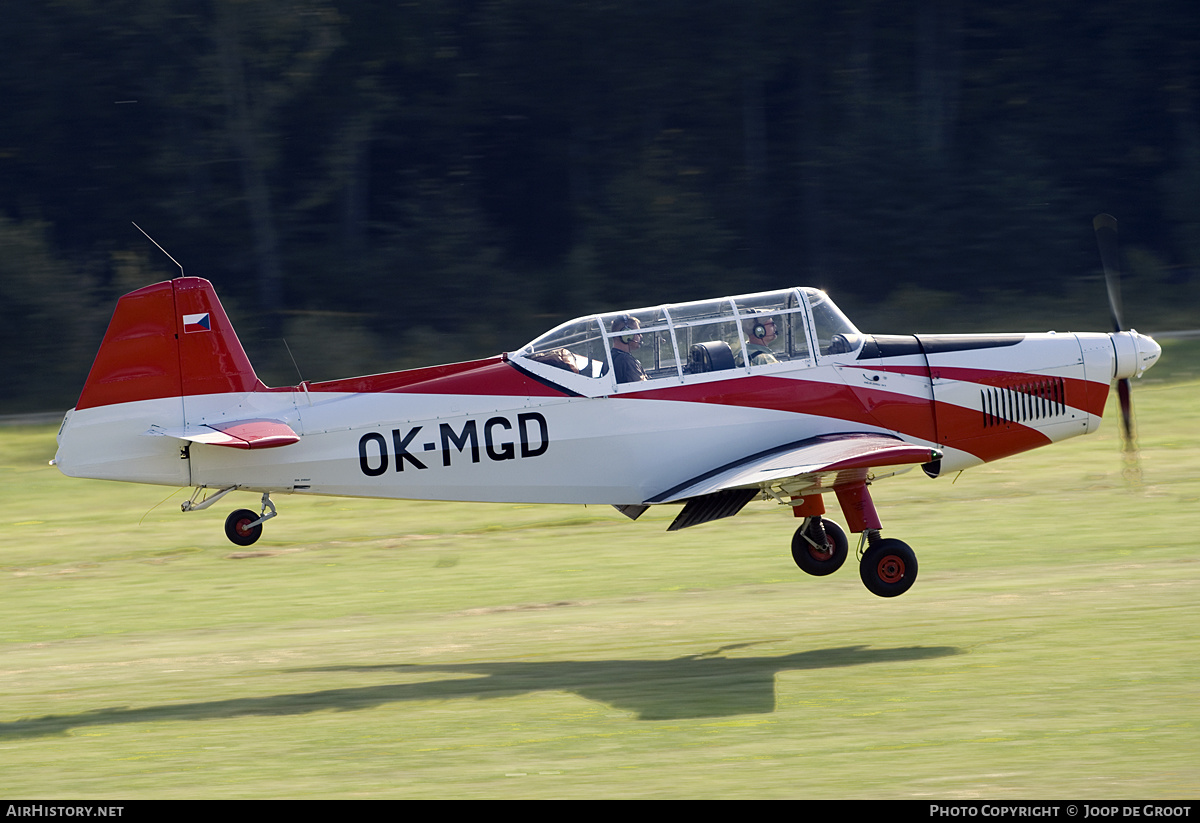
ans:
(238, 528)
(830, 552)
(889, 568)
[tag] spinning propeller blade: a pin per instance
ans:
(1105, 226)
(1106, 236)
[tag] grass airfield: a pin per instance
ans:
(1050, 648)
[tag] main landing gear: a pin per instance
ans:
(243, 527)
(887, 567)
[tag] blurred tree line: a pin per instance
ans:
(386, 184)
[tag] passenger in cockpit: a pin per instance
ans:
(760, 332)
(625, 365)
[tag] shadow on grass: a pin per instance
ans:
(704, 685)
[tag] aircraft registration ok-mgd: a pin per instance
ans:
(710, 404)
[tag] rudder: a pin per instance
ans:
(169, 339)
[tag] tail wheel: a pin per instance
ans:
(888, 568)
(239, 530)
(830, 551)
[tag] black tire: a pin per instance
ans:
(237, 531)
(814, 561)
(889, 568)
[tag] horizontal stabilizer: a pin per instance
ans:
(236, 434)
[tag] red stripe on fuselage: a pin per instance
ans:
(477, 377)
(871, 407)
(1080, 394)
(959, 427)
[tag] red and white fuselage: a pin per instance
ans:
(172, 400)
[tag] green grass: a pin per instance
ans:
(1050, 648)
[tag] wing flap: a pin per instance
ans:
(816, 464)
(713, 506)
(236, 434)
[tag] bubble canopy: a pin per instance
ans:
(675, 342)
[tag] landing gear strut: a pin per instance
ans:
(243, 526)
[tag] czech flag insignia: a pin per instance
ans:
(196, 322)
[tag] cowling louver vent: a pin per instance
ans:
(1025, 403)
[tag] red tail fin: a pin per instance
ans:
(171, 339)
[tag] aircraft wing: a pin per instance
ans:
(236, 434)
(812, 466)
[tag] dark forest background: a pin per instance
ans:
(387, 184)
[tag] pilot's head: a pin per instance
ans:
(626, 323)
(760, 328)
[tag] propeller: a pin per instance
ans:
(1105, 226)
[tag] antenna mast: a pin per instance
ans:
(160, 248)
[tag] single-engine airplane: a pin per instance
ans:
(711, 404)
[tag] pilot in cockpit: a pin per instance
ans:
(625, 365)
(760, 332)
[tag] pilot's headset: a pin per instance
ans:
(758, 330)
(623, 322)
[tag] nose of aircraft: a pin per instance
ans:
(1135, 353)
